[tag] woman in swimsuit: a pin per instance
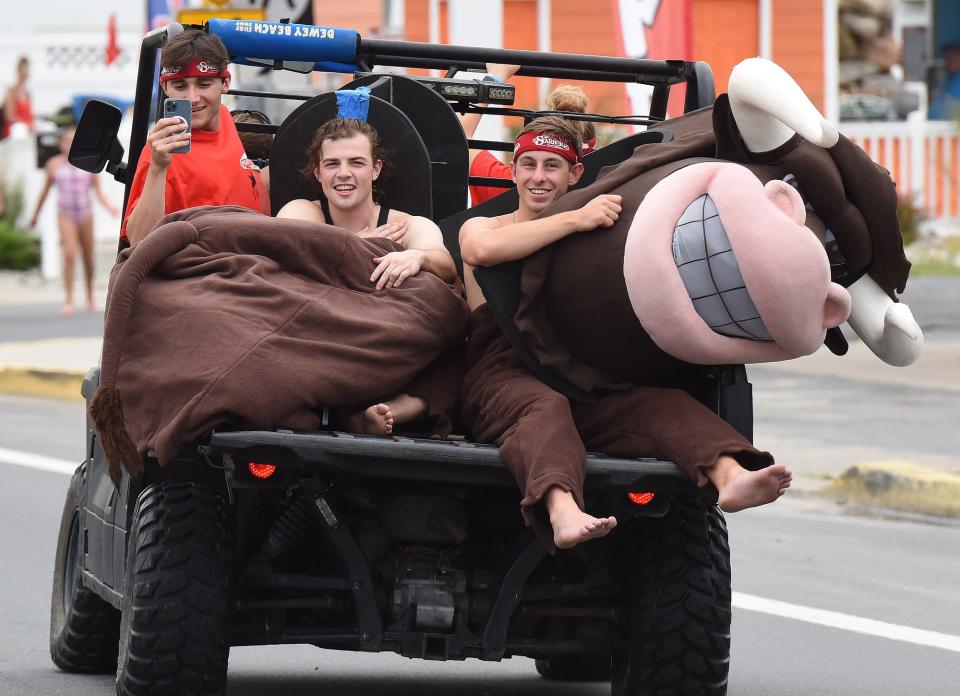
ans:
(350, 164)
(74, 216)
(17, 107)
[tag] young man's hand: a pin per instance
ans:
(394, 231)
(602, 211)
(167, 134)
(394, 268)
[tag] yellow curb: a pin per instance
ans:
(900, 485)
(43, 383)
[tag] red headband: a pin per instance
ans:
(196, 68)
(545, 142)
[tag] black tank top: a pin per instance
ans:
(381, 218)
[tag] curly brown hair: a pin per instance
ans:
(339, 128)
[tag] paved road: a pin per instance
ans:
(803, 552)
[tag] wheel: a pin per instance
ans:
(175, 608)
(84, 629)
(677, 622)
(574, 668)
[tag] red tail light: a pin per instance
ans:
(261, 471)
(641, 498)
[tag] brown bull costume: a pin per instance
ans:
(564, 284)
(612, 311)
(224, 315)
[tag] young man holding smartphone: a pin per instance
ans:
(215, 170)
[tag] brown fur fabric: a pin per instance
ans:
(223, 315)
(106, 412)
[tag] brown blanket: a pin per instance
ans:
(225, 315)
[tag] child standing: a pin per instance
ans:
(74, 216)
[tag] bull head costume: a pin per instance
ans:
(748, 230)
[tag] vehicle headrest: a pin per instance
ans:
(408, 190)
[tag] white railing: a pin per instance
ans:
(923, 157)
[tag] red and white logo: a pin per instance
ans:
(170, 70)
(205, 67)
(546, 140)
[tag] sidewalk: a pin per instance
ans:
(52, 366)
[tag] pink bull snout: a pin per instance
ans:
(783, 266)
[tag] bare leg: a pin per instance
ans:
(571, 525)
(68, 240)
(85, 237)
(740, 489)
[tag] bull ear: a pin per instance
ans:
(769, 108)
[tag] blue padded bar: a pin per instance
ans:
(285, 42)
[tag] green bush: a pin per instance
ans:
(18, 251)
(911, 217)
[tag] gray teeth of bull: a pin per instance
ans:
(710, 274)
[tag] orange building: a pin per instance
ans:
(720, 32)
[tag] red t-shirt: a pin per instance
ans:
(485, 164)
(216, 171)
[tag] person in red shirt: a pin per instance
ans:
(486, 164)
(17, 107)
(216, 171)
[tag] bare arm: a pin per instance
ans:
(301, 209)
(487, 242)
(425, 252)
(47, 185)
(424, 235)
(470, 122)
(166, 135)
(9, 112)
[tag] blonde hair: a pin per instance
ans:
(573, 98)
(558, 127)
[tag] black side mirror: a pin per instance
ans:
(95, 143)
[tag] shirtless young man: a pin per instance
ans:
(542, 435)
(348, 160)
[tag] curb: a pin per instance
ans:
(39, 382)
(899, 486)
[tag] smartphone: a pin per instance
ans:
(178, 108)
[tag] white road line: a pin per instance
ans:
(847, 622)
(37, 461)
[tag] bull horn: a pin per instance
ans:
(886, 327)
(769, 107)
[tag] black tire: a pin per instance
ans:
(175, 608)
(574, 668)
(678, 621)
(84, 629)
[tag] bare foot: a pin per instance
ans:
(67, 309)
(91, 305)
(746, 489)
(374, 420)
(571, 525)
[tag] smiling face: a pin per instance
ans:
(347, 170)
(204, 94)
(542, 177)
